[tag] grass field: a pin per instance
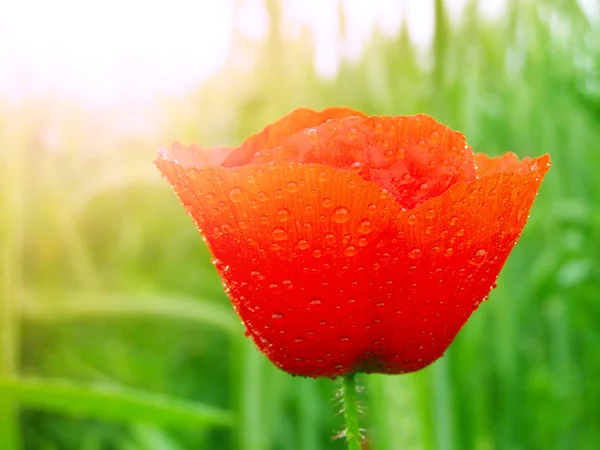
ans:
(115, 332)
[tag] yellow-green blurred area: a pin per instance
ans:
(114, 329)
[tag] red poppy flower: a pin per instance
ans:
(352, 243)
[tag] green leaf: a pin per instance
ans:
(110, 402)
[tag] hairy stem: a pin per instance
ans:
(352, 431)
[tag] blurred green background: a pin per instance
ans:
(114, 330)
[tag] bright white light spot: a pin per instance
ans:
(112, 51)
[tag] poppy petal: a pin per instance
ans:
(290, 243)
(508, 162)
(194, 155)
(448, 254)
(275, 134)
(413, 157)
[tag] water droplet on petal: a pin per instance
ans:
(257, 275)
(312, 134)
(453, 221)
(315, 301)
(449, 251)
(326, 203)
(365, 226)
(430, 214)
(323, 176)
(277, 316)
(283, 214)
(341, 215)
(412, 219)
(479, 257)
(292, 186)
(279, 234)
(303, 244)
(350, 251)
(278, 194)
(262, 197)
(329, 238)
(415, 253)
(317, 253)
(210, 198)
(460, 232)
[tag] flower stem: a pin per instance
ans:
(353, 436)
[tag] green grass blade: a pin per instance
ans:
(111, 403)
(81, 306)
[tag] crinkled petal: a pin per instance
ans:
(277, 133)
(508, 162)
(415, 158)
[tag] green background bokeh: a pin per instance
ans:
(115, 332)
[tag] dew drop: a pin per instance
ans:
(279, 234)
(283, 214)
(312, 134)
(303, 244)
(372, 208)
(430, 214)
(449, 251)
(292, 186)
(453, 221)
(435, 250)
(315, 301)
(277, 316)
(251, 178)
(341, 215)
(326, 203)
(350, 251)
(363, 242)
(329, 238)
(317, 253)
(345, 339)
(352, 133)
(323, 176)
(412, 219)
(356, 166)
(365, 226)
(243, 225)
(460, 232)
(415, 253)
(210, 198)
(479, 257)
(257, 275)
(262, 197)
(278, 194)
